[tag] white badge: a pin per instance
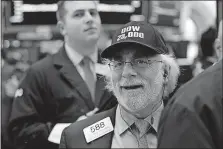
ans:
(19, 92)
(98, 129)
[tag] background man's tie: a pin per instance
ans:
(89, 76)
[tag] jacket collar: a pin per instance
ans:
(76, 57)
(70, 75)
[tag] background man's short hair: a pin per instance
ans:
(207, 40)
(61, 9)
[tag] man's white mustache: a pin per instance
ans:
(131, 83)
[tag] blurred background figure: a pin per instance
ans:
(8, 89)
(12, 72)
(207, 56)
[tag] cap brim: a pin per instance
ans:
(111, 50)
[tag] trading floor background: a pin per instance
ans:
(29, 33)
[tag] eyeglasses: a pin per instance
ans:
(136, 64)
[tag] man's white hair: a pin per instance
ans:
(172, 69)
(173, 74)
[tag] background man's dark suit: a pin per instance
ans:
(73, 136)
(193, 117)
(53, 92)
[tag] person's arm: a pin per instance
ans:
(6, 106)
(8, 91)
(181, 127)
(28, 128)
(63, 141)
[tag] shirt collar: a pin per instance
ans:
(123, 125)
(76, 57)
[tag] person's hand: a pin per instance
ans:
(11, 86)
(82, 117)
(198, 69)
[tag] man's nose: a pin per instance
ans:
(88, 17)
(128, 70)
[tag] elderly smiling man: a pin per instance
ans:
(142, 74)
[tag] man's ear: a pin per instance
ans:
(60, 25)
(166, 71)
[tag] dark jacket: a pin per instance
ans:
(52, 92)
(6, 104)
(73, 136)
(193, 117)
(6, 107)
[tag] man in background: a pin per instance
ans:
(9, 85)
(64, 87)
(193, 117)
(207, 56)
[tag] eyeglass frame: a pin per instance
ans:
(148, 65)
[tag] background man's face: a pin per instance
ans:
(136, 89)
(81, 21)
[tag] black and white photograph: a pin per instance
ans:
(111, 74)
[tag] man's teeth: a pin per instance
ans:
(132, 87)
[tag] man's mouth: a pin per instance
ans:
(131, 87)
(90, 29)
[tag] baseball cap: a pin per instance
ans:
(137, 32)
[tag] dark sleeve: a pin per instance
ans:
(6, 110)
(181, 127)
(63, 140)
(28, 128)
